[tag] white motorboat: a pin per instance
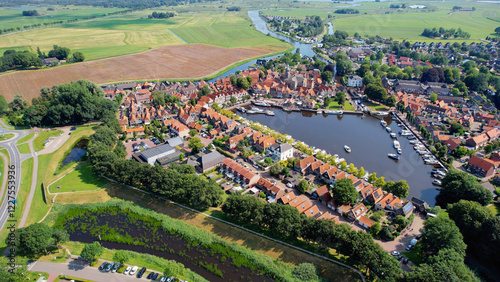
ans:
(388, 129)
(393, 156)
(347, 148)
(413, 142)
(381, 114)
(270, 113)
(405, 133)
(330, 112)
(393, 135)
(396, 144)
(262, 104)
(383, 123)
(399, 151)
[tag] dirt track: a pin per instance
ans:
(184, 61)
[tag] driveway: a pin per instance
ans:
(79, 269)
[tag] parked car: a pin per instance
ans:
(133, 270)
(395, 253)
(400, 257)
(141, 272)
(405, 260)
(115, 267)
(409, 247)
(163, 279)
(109, 267)
(418, 236)
(103, 266)
(127, 270)
(73, 128)
(150, 275)
(155, 276)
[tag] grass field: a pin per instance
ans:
(375, 107)
(377, 18)
(25, 138)
(6, 136)
(134, 32)
(7, 161)
(12, 18)
(42, 137)
(82, 178)
(38, 206)
(21, 197)
(334, 105)
(24, 148)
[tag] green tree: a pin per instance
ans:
(344, 192)
(375, 229)
(61, 53)
(399, 188)
(489, 242)
(158, 98)
(433, 97)
(441, 233)
(232, 78)
(327, 76)
(121, 256)
(340, 98)
(242, 82)
(232, 100)
(305, 271)
(469, 216)
(376, 92)
(78, 57)
(458, 185)
(276, 169)
(457, 128)
(18, 104)
(268, 160)
(3, 105)
(27, 59)
(193, 132)
(32, 240)
(59, 236)
(303, 186)
(195, 145)
(92, 250)
(391, 101)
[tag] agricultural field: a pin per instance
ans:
(377, 18)
(134, 32)
(175, 62)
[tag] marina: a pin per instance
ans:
(368, 143)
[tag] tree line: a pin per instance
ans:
(30, 13)
(446, 33)
(72, 103)
(346, 11)
(161, 15)
(133, 4)
(285, 222)
(178, 183)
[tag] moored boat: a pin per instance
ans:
(393, 135)
(270, 113)
(388, 129)
(330, 112)
(396, 144)
(399, 151)
(393, 156)
(383, 123)
(347, 148)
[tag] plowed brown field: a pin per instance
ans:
(173, 62)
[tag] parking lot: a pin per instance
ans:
(129, 145)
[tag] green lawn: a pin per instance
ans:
(334, 105)
(80, 179)
(38, 206)
(42, 137)
(375, 107)
(494, 208)
(21, 197)
(25, 138)
(24, 148)
(6, 136)
(415, 255)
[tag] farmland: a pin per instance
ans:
(134, 32)
(183, 61)
(377, 18)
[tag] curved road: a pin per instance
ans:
(15, 160)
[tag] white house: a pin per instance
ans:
(284, 152)
(354, 81)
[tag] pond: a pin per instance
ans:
(76, 153)
(119, 229)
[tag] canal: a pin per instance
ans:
(260, 25)
(369, 141)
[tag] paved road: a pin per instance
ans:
(15, 160)
(78, 269)
(34, 178)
